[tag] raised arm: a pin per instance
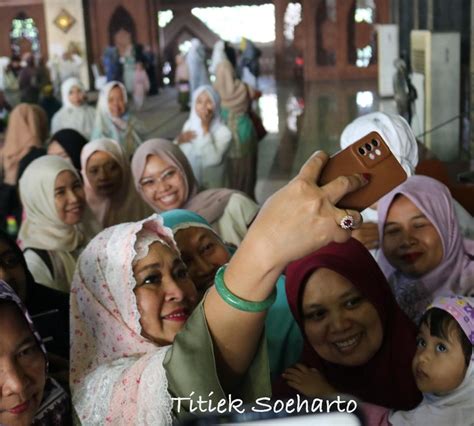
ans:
(295, 221)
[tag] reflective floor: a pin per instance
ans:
(299, 120)
(306, 118)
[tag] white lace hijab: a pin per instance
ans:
(116, 375)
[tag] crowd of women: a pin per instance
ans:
(144, 272)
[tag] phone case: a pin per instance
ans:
(368, 155)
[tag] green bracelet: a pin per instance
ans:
(235, 301)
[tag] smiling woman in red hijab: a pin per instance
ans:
(356, 336)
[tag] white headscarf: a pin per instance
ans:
(395, 131)
(66, 89)
(80, 118)
(194, 122)
(126, 130)
(218, 55)
(103, 102)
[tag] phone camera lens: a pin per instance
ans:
(375, 142)
(368, 147)
(361, 151)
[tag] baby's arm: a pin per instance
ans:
(375, 415)
(308, 381)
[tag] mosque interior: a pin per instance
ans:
(325, 63)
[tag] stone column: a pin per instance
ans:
(280, 65)
(309, 30)
(416, 15)
(429, 17)
(58, 40)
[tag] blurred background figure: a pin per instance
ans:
(5, 109)
(141, 85)
(28, 81)
(149, 61)
(196, 60)
(248, 65)
(11, 82)
(75, 112)
(182, 81)
(49, 102)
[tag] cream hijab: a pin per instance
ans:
(42, 229)
(126, 205)
(210, 203)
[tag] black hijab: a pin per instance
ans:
(49, 308)
(72, 142)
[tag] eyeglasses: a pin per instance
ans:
(165, 177)
(10, 260)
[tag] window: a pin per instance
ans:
(165, 17)
(256, 23)
(23, 30)
(291, 20)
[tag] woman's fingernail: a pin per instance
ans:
(366, 176)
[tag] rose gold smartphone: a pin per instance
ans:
(368, 155)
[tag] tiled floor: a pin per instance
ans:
(299, 119)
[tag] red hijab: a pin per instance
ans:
(386, 379)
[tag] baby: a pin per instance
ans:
(443, 368)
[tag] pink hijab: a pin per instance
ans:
(126, 205)
(116, 375)
(210, 203)
(455, 274)
(27, 128)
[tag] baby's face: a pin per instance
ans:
(438, 366)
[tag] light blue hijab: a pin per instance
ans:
(178, 219)
(284, 339)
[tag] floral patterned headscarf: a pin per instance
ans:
(116, 374)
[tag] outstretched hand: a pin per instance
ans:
(297, 220)
(302, 217)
